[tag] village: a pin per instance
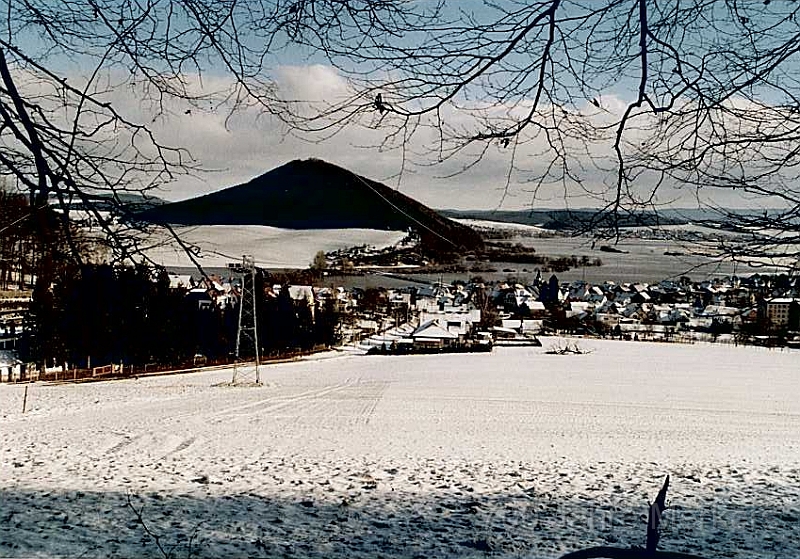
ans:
(470, 315)
(762, 310)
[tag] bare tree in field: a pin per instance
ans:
(632, 103)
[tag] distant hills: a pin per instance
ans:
(572, 220)
(314, 194)
(562, 219)
(104, 201)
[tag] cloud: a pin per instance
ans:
(312, 83)
(236, 147)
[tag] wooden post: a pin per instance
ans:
(25, 399)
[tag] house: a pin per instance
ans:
(577, 308)
(720, 312)
(640, 297)
(399, 298)
(367, 326)
(200, 297)
(608, 307)
(456, 320)
(523, 326)
(431, 336)
(180, 281)
(634, 311)
(608, 319)
(595, 295)
(303, 294)
(340, 297)
(622, 296)
(536, 309)
(10, 366)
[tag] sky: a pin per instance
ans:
(236, 148)
(252, 143)
(249, 144)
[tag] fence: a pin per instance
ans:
(197, 362)
(61, 374)
(103, 371)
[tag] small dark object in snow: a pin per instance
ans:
(201, 479)
(307, 503)
(567, 349)
(480, 545)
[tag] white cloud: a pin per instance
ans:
(238, 147)
(313, 83)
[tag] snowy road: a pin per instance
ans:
(513, 453)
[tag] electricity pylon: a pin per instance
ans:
(247, 332)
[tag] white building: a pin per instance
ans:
(10, 366)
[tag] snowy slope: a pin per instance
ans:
(270, 246)
(516, 453)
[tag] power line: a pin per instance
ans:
(399, 209)
(23, 218)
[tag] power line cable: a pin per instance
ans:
(23, 218)
(411, 217)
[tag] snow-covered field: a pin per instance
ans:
(480, 224)
(270, 246)
(513, 453)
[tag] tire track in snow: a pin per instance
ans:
(186, 443)
(371, 401)
(275, 403)
(349, 404)
(127, 441)
(154, 444)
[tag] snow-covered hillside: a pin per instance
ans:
(513, 453)
(270, 246)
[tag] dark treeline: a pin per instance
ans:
(287, 324)
(15, 239)
(103, 314)
(33, 241)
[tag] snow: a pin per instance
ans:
(503, 226)
(270, 246)
(512, 453)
